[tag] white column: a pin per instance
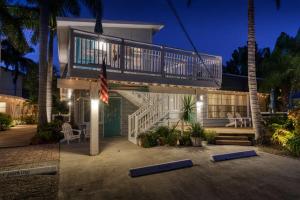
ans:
(94, 120)
(199, 108)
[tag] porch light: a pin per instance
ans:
(100, 45)
(69, 103)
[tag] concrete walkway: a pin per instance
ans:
(17, 136)
(106, 176)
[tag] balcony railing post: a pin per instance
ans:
(194, 67)
(72, 50)
(122, 56)
(162, 64)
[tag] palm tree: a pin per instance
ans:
(45, 7)
(254, 104)
(11, 27)
(13, 58)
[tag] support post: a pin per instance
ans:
(162, 61)
(94, 120)
(122, 56)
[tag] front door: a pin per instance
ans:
(112, 117)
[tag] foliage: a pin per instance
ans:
(148, 139)
(29, 119)
(185, 139)
(188, 108)
(238, 64)
(163, 131)
(293, 145)
(5, 121)
(197, 130)
(210, 136)
(172, 137)
(49, 133)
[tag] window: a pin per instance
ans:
(2, 107)
(221, 104)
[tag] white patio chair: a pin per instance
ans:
(69, 133)
(232, 120)
(86, 130)
(240, 119)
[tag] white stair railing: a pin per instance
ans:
(147, 116)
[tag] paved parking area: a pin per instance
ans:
(30, 186)
(17, 136)
(105, 176)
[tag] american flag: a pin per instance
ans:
(103, 84)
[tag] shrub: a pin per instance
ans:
(210, 136)
(197, 130)
(172, 137)
(50, 133)
(185, 139)
(148, 139)
(163, 131)
(29, 119)
(281, 136)
(5, 121)
(293, 145)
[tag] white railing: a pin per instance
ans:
(147, 116)
(127, 56)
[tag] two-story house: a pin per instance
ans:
(147, 82)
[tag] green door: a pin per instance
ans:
(112, 118)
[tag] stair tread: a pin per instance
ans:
(234, 142)
(233, 137)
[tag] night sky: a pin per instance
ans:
(216, 26)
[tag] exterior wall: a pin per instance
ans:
(14, 106)
(7, 87)
(79, 108)
(141, 35)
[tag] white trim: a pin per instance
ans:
(73, 22)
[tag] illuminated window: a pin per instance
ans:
(2, 107)
(221, 104)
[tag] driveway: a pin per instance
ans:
(17, 136)
(106, 176)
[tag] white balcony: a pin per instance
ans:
(139, 62)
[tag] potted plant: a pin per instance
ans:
(197, 133)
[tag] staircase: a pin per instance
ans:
(137, 98)
(242, 139)
(146, 117)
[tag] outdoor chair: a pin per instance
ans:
(243, 120)
(233, 121)
(69, 133)
(86, 130)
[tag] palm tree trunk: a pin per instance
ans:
(43, 40)
(254, 104)
(49, 77)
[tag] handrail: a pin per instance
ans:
(128, 56)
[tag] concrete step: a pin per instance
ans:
(231, 137)
(234, 142)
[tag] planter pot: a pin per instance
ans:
(139, 142)
(204, 143)
(196, 141)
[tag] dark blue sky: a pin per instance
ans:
(216, 26)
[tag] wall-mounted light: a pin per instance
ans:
(69, 103)
(94, 104)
